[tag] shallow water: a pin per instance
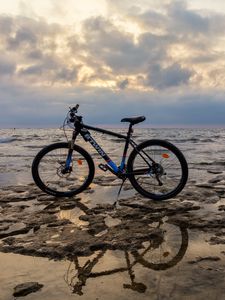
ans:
(203, 148)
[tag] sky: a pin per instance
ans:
(164, 59)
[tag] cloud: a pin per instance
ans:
(123, 84)
(51, 69)
(174, 75)
(7, 66)
(21, 32)
(24, 35)
(36, 46)
(6, 26)
(60, 8)
(104, 52)
(185, 21)
(164, 60)
(155, 46)
(115, 48)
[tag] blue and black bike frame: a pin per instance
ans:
(119, 171)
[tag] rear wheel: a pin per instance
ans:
(49, 174)
(158, 170)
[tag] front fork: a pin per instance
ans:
(68, 167)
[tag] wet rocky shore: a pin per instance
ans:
(35, 224)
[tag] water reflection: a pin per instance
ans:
(160, 253)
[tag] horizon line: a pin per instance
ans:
(121, 126)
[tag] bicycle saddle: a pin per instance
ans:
(134, 120)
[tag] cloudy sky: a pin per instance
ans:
(163, 59)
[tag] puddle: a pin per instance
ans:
(15, 178)
(182, 266)
(170, 270)
(73, 215)
(105, 195)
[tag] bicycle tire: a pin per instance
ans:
(56, 183)
(165, 153)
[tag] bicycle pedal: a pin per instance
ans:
(103, 167)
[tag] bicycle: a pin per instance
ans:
(156, 168)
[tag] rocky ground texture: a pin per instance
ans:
(32, 222)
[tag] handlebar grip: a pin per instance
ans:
(74, 109)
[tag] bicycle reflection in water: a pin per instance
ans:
(160, 254)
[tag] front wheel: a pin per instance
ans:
(158, 170)
(49, 174)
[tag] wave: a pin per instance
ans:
(34, 146)
(215, 163)
(219, 163)
(207, 141)
(192, 140)
(204, 163)
(16, 155)
(7, 140)
(27, 139)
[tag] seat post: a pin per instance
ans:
(130, 130)
(122, 167)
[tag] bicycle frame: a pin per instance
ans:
(120, 171)
(87, 137)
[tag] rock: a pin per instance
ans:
(220, 177)
(212, 199)
(221, 208)
(58, 223)
(214, 180)
(52, 210)
(110, 222)
(69, 204)
(127, 187)
(207, 258)
(4, 227)
(45, 198)
(214, 172)
(15, 229)
(9, 240)
(204, 185)
(17, 197)
(20, 189)
(219, 187)
(215, 240)
(26, 288)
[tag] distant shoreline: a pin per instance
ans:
(119, 126)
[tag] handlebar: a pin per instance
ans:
(72, 113)
(75, 108)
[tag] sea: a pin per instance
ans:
(203, 148)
